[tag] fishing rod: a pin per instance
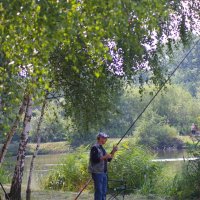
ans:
(6, 195)
(88, 182)
(144, 109)
(162, 86)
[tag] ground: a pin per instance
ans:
(54, 195)
(61, 195)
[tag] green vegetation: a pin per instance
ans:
(189, 79)
(65, 147)
(96, 55)
(63, 195)
(164, 185)
(144, 178)
(169, 117)
(132, 164)
(45, 148)
(186, 184)
(55, 125)
(4, 175)
(153, 131)
(71, 174)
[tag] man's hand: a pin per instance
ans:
(110, 155)
(106, 157)
(115, 148)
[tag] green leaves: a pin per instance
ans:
(72, 37)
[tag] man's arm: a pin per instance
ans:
(94, 155)
(115, 148)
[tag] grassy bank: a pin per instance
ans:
(63, 147)
(47, 194)
(86, 196)
(45, 148)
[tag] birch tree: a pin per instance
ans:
(38, 134)
(13, 129)
(26, 41)
(15, 191)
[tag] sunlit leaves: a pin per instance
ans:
(80, 31)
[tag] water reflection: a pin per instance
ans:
(171, 154)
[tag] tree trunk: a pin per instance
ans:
(15, 191)
(28, 190)
(13, 129)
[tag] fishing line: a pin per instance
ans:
(151, 100)
(162, 86)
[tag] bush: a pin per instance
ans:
(133, 164)
(160, 137)
(187, 183)
(164, 185)
(155, 133)
(182, 182)
(71, 174)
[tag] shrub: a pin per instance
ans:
(71, 174)
(181, 181)
(164, 185)
(133, 164)
(187, 183)
(153, 132)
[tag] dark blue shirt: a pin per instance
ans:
(95, 157)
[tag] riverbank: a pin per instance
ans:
(45, 148)
(65, 147)
(54, 154)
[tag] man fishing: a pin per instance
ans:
(98, 165)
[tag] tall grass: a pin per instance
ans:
(71, 174)
(132, 164)
(164, 185)
(187, 183)
(4, 175)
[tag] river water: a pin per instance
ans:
(171, 154)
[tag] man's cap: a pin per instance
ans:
(103, 135)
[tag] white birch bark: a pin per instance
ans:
(15, 190)
(28, 190)
(13, 129)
